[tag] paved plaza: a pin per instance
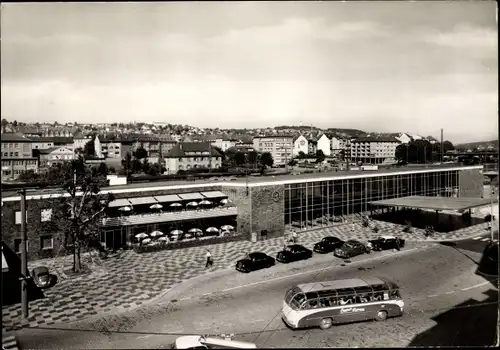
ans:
(128, 280)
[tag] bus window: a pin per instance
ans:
(312, 295)
(377, 296)
(328, 301)
(347, 299)
(363, 294)
(310, 304)
(290, 294)
(395, 294)
(297, 301)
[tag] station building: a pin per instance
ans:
(275, 204)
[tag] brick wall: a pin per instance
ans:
(34, 228)
(471, 183)
(268, 209)
(238, 195)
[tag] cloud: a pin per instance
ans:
(296, 30)
(464, 36)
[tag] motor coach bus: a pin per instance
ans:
(342, 301)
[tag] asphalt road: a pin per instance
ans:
(447, 304)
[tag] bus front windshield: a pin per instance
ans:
(297, 301)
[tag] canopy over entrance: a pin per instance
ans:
(434, 203)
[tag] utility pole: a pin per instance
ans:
(24, 258)
(442, 147)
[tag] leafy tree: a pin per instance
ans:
(266, 159)
(252, 157)
(89, 149)
(29, 176)
(127, 163)
(140, 153)
(146, 166)
(448, 146)
(239, 158)
(14, 123)
(293, 162)
(79, 214)
(320, 156)
(301, 155)
(136, 165)
(112, 170)
(103, 169)
(155, 169)
(401, 153)
(5, 123)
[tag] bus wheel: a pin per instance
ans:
(325, 323)
(381, 316)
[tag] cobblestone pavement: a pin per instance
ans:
(129, 279)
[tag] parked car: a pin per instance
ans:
(489, 262)
(327, 245)
(254, 261)
(387, 242)
(42, 277)
(351, 248)
(293, 252)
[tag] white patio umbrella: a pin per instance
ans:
(146, 241)
(176, 205)
(125, 209)
(224, 201)
(205, 202)
(141, 235)
(164, 239)
(156, 234)
(227, 228)
(156, 206)
(195, 230)
(192, 204)
(212, 229)
(176, 232)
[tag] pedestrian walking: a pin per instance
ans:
(209, 259)
(294, 237)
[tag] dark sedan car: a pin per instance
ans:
(387, 242)
(254, 261)
(327, 245)
(351, 248)
(294, 252)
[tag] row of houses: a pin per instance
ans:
(21, 153)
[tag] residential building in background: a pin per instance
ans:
(280, 147)
(54, 155)
(374, 150)
(312, 145)
(300, 144)
(189, 155)
(324, 145)
(224, 144)
(17, 156)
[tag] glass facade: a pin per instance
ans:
(322, 203)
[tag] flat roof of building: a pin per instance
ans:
(250, 181)
(434, 203)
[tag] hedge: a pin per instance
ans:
(187, 244)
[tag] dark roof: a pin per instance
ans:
(49, 150)
(55, 139)
(180, 149)
(14, 137)
(272, 136)
(375, 139)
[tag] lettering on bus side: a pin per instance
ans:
(351, 309)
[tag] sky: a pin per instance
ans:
(376, 66)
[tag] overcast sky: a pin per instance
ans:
(376, 66)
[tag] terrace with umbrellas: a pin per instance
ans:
(169, 218)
